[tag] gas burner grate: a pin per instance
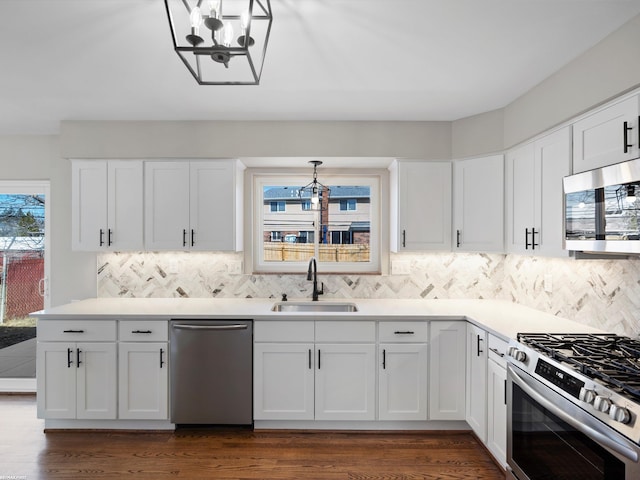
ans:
(610, 358)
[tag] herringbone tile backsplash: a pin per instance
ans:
(601, 293)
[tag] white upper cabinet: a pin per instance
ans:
(534, 194)
(193, 205)
(608, 135)
(420, 206)
(479, 204)
(107, 205)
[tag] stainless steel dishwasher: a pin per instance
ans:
(211, 372)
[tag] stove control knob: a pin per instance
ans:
(516, 354)
(602, 404)
(619, 414)
(586, 395)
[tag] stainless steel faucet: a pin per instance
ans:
(312, 274)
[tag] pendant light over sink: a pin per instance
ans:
(221, 42)
(314, 196)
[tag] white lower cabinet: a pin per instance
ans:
(143, 370)
(402, 391)
(143, 381)
(76, 380)
(345, 382)
(283, 381)
(476, 390)
(402, 370)
(447, 366)
(497, 400)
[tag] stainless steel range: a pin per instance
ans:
(573, 402)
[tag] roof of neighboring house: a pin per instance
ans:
(337, 192)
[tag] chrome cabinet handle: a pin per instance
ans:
(495, 350)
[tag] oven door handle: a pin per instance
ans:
(593, 431)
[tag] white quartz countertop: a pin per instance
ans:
(499, 317)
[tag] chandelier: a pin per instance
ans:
(221, 42)
(315, 195)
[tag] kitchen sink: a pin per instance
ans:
(314, 307)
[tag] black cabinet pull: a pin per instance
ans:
(109, 232)
(404, 238)
(162, 362)
(141, 331)
(184, 237)
(78, 362)
(403, 332)
(478, 341)
(526, 239)
(193, 240)
(318, 359)
(101, 239)
(505, 392)
(384, 359)
(625, 132)
(458, 238)
(73, 331)
(310, 357)
(69, 360)
(533, 239)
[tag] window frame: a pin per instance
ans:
(257, 179)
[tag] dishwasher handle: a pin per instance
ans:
(239, 326)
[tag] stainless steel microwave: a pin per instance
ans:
(602, 209)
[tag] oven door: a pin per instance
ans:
(549, 437)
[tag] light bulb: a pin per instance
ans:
(228, 34)
(196, 20)
(214, 8)
(244, 20)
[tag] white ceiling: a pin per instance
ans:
(327, 60)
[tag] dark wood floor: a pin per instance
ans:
(25, 450)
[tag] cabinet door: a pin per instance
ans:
(212, 205)
(283, 381)
(345, 382)
(56, 380)
(96, 385)
(479, 204)
(424, 206)
(447, 364)
(402, 377)
(125, 205)
(552, 163)
(166, 205)
(89, 205)
(599, 139)
(476, 391)
(497, 411)
(521, 209)
(143, 386)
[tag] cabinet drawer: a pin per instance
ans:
(143, 331)
(76, 330)
(285, 331)
(403, 332)
(341, 332)
(498, 350)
